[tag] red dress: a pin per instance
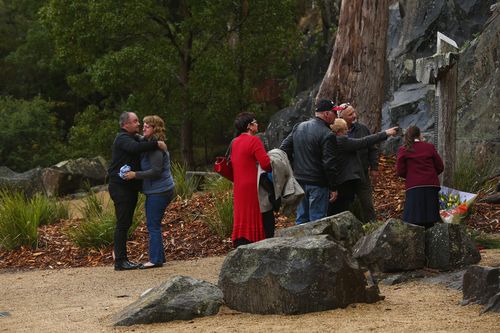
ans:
(246, 151)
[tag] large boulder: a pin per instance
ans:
(394, 246)
(180, 298)
(344, 228)
(481, 285)
(447, 247)
(29, 182)
(60, 179)
(288, 275)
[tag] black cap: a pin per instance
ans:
(325, 105)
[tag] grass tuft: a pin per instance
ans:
(20, 218)
(184, 186)
(99, 221)
(220, 216)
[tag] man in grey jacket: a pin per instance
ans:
(309, 148)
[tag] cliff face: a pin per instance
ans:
(411, 35)
(478, 127)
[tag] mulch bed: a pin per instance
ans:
(187, 236)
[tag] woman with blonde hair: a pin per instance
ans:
(350, 171)
(157, 185)
(420, 164)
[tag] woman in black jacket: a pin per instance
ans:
(350, 171)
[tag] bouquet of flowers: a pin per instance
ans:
(454, 204)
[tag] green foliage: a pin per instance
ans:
(165, 57)
(88, 140)
(220, 216)
(217, 184)
(369, 228)
(184, 186)
(97, 227)
(470, 173)
(20, 218)
(49, 210)
(488, 241)
(30, 134)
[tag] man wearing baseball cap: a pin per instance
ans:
(310, 148)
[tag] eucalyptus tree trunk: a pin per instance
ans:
(356, 70)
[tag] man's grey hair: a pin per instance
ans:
(124, 118)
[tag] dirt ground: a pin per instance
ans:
(84, 299)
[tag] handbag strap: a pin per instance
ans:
(228, 151)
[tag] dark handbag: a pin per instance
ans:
(223, 165)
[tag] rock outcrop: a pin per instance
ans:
(61, 179)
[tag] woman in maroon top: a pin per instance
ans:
(246, 151)
(420, 164)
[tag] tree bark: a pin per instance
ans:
(356, 70)
(187, 122)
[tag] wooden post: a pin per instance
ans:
(441, 69)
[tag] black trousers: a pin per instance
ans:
(125, 200)
(364, 192)
(345, 198)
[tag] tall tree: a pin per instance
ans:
(356, 70)
(172, 58)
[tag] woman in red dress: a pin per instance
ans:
(247, 150)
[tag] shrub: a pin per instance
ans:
(220, 216)
(99, 221)
(48, 209)
(184, 186)
(470, 173)
(20, 218)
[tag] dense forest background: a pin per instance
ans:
(69, 68)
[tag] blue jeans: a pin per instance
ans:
(314, 205)
(155, 208)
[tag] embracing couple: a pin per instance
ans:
(148, 161)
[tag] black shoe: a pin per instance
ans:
(126, 265)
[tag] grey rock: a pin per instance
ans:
(288, 275)
(480, 283)
(448, 279)
(447, 247)
(493, 304)
(344, 228)
(181, 298)
(394, 246)
(63, 178)
(394, 279)
(29, 182)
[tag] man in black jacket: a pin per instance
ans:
(309, 148)
(367, 156)
(126, 150)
